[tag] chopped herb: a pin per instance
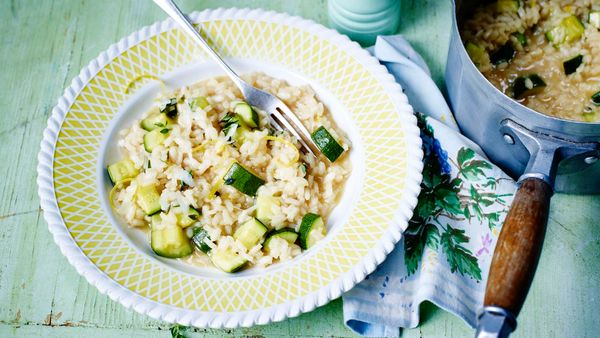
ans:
(149, 164)
(164, 131)
(160, 124)
(177, 331)
(170, 108)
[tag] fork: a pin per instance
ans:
(280, 116)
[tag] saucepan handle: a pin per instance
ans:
(517, 253)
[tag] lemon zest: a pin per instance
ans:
(115, 188)
(296, 156)
(204, 145)
(144, 76)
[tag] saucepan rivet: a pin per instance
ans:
(590, 159)
(508, 139)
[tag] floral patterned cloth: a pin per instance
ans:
(445, 253)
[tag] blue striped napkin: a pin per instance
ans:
(445, 253)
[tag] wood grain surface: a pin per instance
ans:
(44, 44)
(519, 246)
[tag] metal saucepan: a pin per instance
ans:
(543, 153)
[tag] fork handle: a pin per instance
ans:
(175, 13)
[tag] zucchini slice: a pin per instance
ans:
(148, 199)
(568, 30)
(504, 54)
(227, 260)
(508, 5)
(264, 206)
(247, 114)
(242, 179)
(170, 108)
(250, 233)
(596, 99)
(122, 170)
(155, 121)
(571, 65)
(170, 242)
(199, 101)
(527, 85)
(327, 144)
(188, 219)
(521, 38)
(155, 138)
(199, 239)
(286, 233)
(476, 53)
(312, 229)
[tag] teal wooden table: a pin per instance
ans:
(44, 44)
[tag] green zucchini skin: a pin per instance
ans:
(570, 66)
(243, 179)
(170, 242)
(250, 233)
(227, 261)
(527, 85)
(148, 199)
(247, 114)
(310, 223)
(327, 144)
(121, 170)
(287, 234)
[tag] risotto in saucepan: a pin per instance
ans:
(543, 53)
(213, 183)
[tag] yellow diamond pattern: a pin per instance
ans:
(359, 91)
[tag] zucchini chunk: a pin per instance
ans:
(188, 219)
(508, 5)
(242, 179)
(596, 99)
(170, 108)
(155, 121)
(264, 207)
(200, 102)
(286, 233)
(122, 170)
(227, 260)
(154, 138)
(250, 233)
(199, 239)
(148, 199)
(570, 29)
(521, 38)
(476, 53)
(169, 241)
(247, 114)
(527, 85)
(327, 144)
(504, 54)
(312, 229)
(571, 65)
(594, 19)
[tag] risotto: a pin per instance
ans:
(543, 53)
(213, 184)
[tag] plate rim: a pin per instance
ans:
(119, 293)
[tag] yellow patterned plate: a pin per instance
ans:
(364, 100)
